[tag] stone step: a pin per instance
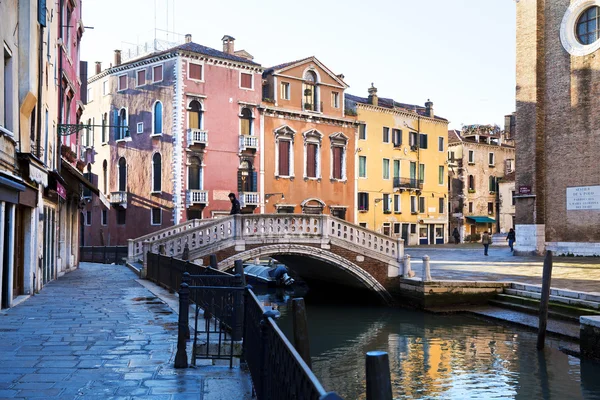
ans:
(532, 310)
(574, 299)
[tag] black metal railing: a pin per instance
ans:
(103, 254)
(408, 183)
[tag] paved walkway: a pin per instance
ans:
(467, 262)
(96, 333)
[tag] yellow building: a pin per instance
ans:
(401, 161)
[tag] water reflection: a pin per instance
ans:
(438, 357)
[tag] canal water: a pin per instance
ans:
(436, 357)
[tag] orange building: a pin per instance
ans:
(307, 163)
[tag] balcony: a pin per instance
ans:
(195, 196)
(119, 198)
(407, 183)
(249, 199)
(197, 137)
(248, 142)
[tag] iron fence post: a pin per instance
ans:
(104, 259)
(263, 392)
(181, 360)
(238, 309)
(187, 279)
(213, 261)
(171, 285)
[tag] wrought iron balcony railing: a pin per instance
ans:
(407, 183)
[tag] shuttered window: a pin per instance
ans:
(311, 160)
(284, 158)
(246, 81)
(123, 82)
(141, 77)
(196, 71)
(156, 173)
(157, 73)
(337, 162)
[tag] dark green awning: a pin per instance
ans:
(482, 220)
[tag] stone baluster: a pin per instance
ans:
(426, 275)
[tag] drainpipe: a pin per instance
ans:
(60, 89)
(40, 83)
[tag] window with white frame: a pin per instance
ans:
(122, 82)
(471, 157)
(421, 204)
(362, 166)
(157, 126)
(386, 168)
(397, 204)
(440, 144)
(122, 171)
(195, 114)
(491, 159)
(284, 155)
(140, 127)
(386, 134)
(156, 216)
(510, 166)
(362, 131)
(285, 90)
(195, 71)
(104, 128)
(104, 88)
(413, 204)
(397, 137)
(312, 154)
(156, 173)
(246, 122)
(141, 77)
(335, 99)
(157, 73)
(441, 172)
(246, 81)
(121, 122)
(338, 156)
(387, 203)
(195, 174)
(104, 217)
(441, 205)
(88, 218)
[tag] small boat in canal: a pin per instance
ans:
(271, 275)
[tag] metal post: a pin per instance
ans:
(379, 384)
(181, 360)
(426, 277)
(213, 261)
(238, 309)
(171, 284)
(266, 373)
(300, 328)
(546, 279)
(239, 269)
(187, 279)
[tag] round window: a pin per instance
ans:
(588, 25)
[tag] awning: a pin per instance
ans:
(73, 171)
(482, 220)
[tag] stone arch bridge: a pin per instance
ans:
(316, 247)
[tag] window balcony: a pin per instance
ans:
(197, 137)
(407, 183)
(118, 198)
(248, 142)
(195, 196)
(249, 199)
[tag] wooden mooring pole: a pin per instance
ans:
(300, 327)
(379, 383)
(546, 279)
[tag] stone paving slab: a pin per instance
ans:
(580, 274)
(96, 333)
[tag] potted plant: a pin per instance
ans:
(307, 106)
(307, 92)
(80, 165)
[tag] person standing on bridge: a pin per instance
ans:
(235, 205)
(486, 240)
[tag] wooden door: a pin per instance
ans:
(19, 252)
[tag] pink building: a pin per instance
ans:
(179, 134)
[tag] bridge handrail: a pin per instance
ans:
(302, 227)
(135, 246)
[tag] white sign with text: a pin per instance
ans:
(583, 198)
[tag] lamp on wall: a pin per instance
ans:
(269, 195)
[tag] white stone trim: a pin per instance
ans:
(568, 36)
(178, 137)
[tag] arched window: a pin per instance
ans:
(312, 154)
(88, 175)
(122, 174)
(310, 92)
(246, 120)
(246, 178)
(471, 182)
(194, 174)
(156, 173)
(195, 115)
(122, 128)
(158, 118)
(105, 176)
(104, 124)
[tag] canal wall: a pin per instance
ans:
(589, 337)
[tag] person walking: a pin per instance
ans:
(456, 236)
(486, 240)
(235, 205)
(511, 238)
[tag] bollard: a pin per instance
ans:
(300, 328)
(546, 279)
(379, 384)
(426, 276)
(181, 360)
(406, 271)
(213, 261)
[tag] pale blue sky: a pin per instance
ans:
(458, 53)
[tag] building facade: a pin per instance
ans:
(309, 144)
(506, 190)
(401, 167)
(479, 157)
(177, 132)
(557, 69)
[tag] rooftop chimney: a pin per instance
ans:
(117, 58)
(429, 108)
(98, 67)
(373, 99)
(228, 46)
(188, 38)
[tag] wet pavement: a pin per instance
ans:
(96, 333)
(467, 262)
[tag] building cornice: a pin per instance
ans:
(300, 115)
(402, 112)
(220, 61)
(132, 65)
(495, 146)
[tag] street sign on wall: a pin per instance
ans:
(524, 189)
